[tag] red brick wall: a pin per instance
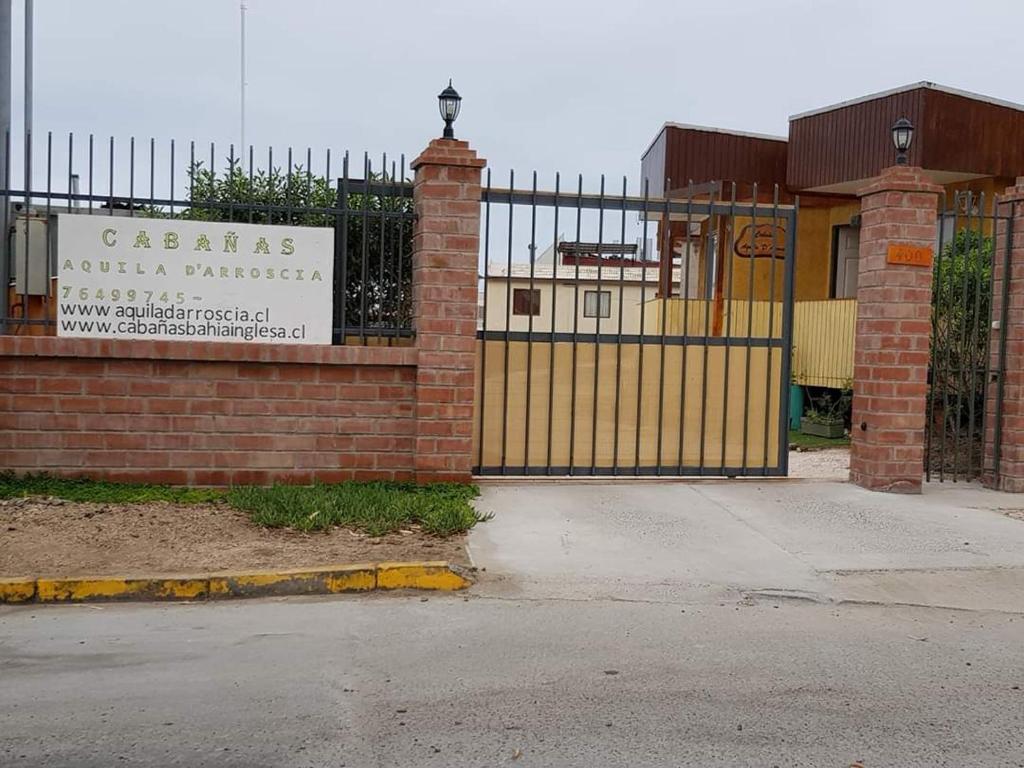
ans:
(206, 413)
(217, 414)
(1010, 476)
(890, 369)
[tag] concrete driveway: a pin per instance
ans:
(952, 546)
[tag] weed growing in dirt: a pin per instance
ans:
(374, 508)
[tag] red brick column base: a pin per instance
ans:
(446, 250)
(1010, 474)
(890, 369)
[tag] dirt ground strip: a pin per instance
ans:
(53, 538)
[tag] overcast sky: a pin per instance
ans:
(574, 86)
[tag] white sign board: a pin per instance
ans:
(140, 278)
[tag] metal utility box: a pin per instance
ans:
(32, 241)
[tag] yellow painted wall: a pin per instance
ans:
(823, 331)
(813, 257)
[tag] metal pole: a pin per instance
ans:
(5, 129)
(242, 9)
(28, 66)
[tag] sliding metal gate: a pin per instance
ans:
(590, 364)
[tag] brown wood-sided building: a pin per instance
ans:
(963, 141)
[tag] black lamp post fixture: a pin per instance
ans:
(902, 136)
(449, 101)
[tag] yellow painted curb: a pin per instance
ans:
(115, 588)
(429, 575)
(17, 590)
(362, 577)
(298, 581)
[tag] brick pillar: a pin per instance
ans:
(890, 370)
(446, 249)
(1011, 422)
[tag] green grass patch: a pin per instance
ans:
(375, 508)
(99, 491)
(798, 439)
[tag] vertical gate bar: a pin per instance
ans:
(959, 371)
(947, 340)
(211, 211)
(131, 176)
(402, 301)
(933, 371)
(483, 344)
(684, 279)
(666, 300)
(750, 326)
(393, 283)
(49, 200)
(252, 201)
(6, 247)
(643, 329)
(597, 331)
(1004, 315)
(110, 179)
(270, 186)
(341, 294)
(986, 328)
(712, 228)
(338, 298)
(508, 322)
(192, 176)
(551, 350)
(575, 328)
(618, 341)
(364, 247)
(975, 342)
(170, 175)
(786, 362)
(92, 167)
(231, 172)
(381, 295)
(529, 326)
(728, 321)
(289, 188)
(71, 170)
(771, 326)
(391, 300)
(23, 297)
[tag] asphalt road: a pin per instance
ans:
(487, 681)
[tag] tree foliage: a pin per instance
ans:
(961, 316)
(374, 230)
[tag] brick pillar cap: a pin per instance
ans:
(448, 152)
(900, 178)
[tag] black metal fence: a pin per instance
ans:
(961, 370)
(630, 335)
(369, 207)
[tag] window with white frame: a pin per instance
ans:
(595, 302)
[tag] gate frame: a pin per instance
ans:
(783, 215)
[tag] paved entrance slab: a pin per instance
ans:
(830, 541)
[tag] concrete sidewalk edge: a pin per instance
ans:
(327, 580)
